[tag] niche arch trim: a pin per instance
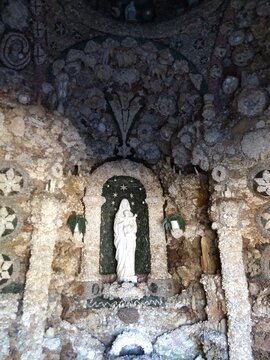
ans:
(94, 200)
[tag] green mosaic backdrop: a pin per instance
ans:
(114, 190)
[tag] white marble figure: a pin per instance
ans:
(130, 12)
(125, 229)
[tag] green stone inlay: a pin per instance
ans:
(114, 190)
(13, 288)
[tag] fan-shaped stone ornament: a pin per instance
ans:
(125, 106)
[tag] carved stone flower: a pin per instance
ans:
(166, 105)
(6, 221)
(10, 182)
(96, 99)
(263, 183)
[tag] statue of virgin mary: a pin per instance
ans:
(125, 229)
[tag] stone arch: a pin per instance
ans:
(94, 200)
(129, 340)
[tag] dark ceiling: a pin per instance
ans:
(142, 10)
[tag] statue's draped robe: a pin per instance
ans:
(125, 229)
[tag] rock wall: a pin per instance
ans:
(39, 192)
(189, 98)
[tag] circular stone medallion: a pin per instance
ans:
(13, 180)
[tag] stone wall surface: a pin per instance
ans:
(181, 103)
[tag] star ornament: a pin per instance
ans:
(123, 187)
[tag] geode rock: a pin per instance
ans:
(150, 152)
(181, 343)
(199, 157)
(16, 15)
(255, 145)
(128, 315)
(263, 8)
(67, 352)
(166, 132)
(245, 17)
(97, 99)
(230, 84)
(251, 102)
(212, 136)
(236, 38)
(92, 46)
(103, 72)
(181, 155)
(242, 55)
(73, 68)
(145, 132)
(152, 119)
(24, 98)
(126, 76)
(2, 27)
(166, 105)
(58, 66)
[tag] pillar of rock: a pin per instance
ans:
(234, 281)
(46, 222)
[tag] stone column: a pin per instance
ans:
(233, 278)
(46, 220)
(216, 308)
(158, 246)
(91, 250)
(8, 314)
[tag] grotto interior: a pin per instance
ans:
(157, 111)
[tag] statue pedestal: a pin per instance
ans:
(132, 279)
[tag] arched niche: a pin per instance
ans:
(114, 191)
(94, 200)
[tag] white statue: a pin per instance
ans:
(125, 229)
(130, 12)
